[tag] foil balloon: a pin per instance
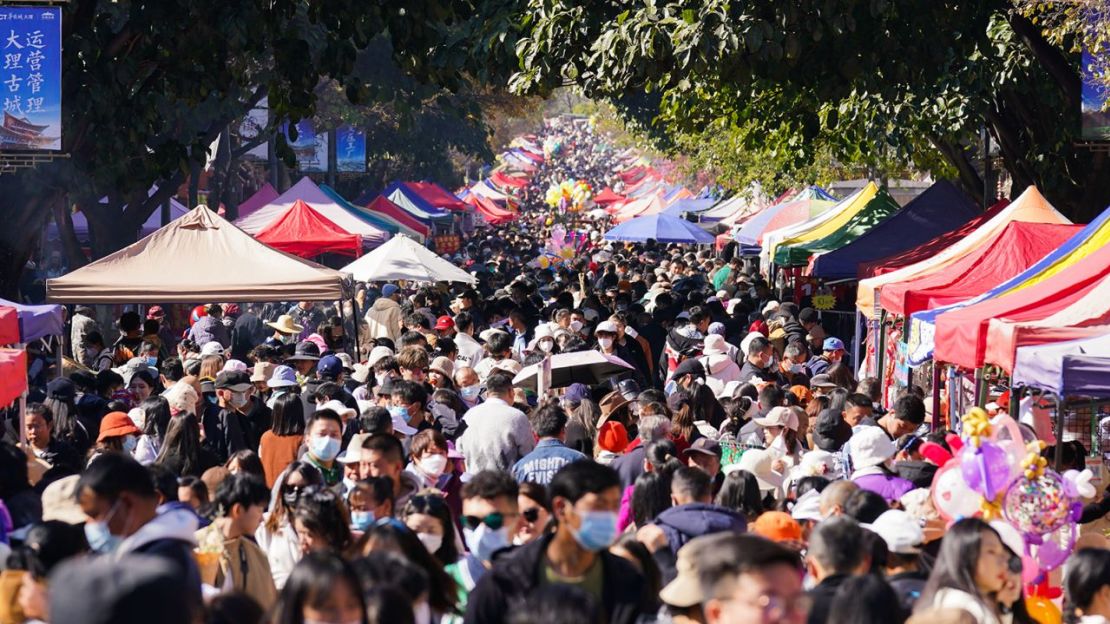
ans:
(1039, 505)
(1055, 548)
(986, 469)
(951, 496)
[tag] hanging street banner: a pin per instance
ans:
(31, 77)
(1096, 116)
(350, 150)
(310, 148)
(251, 128)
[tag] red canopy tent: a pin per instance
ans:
(503, 180)
(435, 195)
(930, 248)
(961, 335)
(1018, 246)
(13, 375)
(493, 214)
(381, 204)
(303, 232)
(607, 196)
(9, 325)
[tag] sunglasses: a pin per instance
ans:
(427, 502)
(494, 521)
(1015, 564)
(531, 515)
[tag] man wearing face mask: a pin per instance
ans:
(226, 425)
(585, 497)
(469, 386)
(757, 366)
(489, 517)
(117, 495)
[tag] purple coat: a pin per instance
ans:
(890, 487)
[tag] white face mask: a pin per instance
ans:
(546, 345)
(433, 465)
(605, 343)
(576, 326)
(431, 541)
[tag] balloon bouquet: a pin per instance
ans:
(569, 195)
(996, 476)
(562, 246)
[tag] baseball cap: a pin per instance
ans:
(833, 344)
(901, 531)
(779, 417)
(445, 322)
(606, 326)
(704, 446)
(690, 366)
(155, 312)
(377, 354)
(686, 590)
(777, 526)
(262, 371)
(821, 381)
(807, 507)
(234, 380)
(354, 450)
(870, 446)
(329, 366)
(212, 348)
(389, 289)
(59, 501)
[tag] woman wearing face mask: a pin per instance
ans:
(427, 515)
(970, 570)
(276, 535)
(181, 449)
(429, 459)
(321, 522)
(544, 341)
(370, 500)
(441, 597)
(118, 434)
(323, 436)
(323, 589)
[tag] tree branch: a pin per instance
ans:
(1058, 66)
(957, 156)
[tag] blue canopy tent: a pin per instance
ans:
(693, 205)
(37, 321)
(411, 202)
(365, 215)
(941, 208)
(660, 227)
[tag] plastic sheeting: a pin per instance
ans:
(1031, 207)
(875, 212)
(1066, 368)
(939, 209)
(199, 257)
(1017, 248)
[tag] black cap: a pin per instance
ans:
(705, 446)
(228, 380)
(306, 350)
(629, 389)
(831, 431)
(61, 389)
(690, 366)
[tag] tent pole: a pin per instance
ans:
(1057, 455)
(856, 340)
(980, 395)
(936, 396)
(955, 387)
(1015, 402)
(880, 351)
(354, 323)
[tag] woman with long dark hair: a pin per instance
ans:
(156, 419)
(276, 535)
(278, 447)
(181, 449)
(865, 599)
(426, 514)
(970, 570)
(1088, 584)
(65, 425)
(740, 492)
(321, 521)
(322, 588)
(390, 535)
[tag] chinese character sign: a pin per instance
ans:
(310, 148)
(31, 78)
(350, 149)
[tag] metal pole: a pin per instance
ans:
(955, 387)
(880, 351)
(1015, 402)
(856, 339)
(980, 395)
(1057, 454)
(936, 395)
(355, 322)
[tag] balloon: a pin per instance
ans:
(1029, 570)
(951, 496)
(986, 469)
(1043, 610)
(1056, 548)
(1037, 506)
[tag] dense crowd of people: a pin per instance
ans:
(373, 461)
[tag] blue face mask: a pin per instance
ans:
(484, 541)
(152, 361)
(598, 530)
(324, 448)
(362, 520)
(470, 392)
(401, 412)
(100, 537)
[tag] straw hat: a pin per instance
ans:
(285, 325)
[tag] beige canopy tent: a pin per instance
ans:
(199, 257)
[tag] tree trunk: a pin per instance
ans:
(25, 214)
(75, 257)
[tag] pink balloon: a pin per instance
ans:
(951, 496)
(986, 469)
(1029, 570)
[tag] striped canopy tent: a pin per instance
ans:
(819, 226)
(306, 190)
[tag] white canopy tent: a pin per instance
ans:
(402, 258)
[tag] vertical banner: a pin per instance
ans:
(251, 129)
(1096, 117)
(31, 77)
(350, 150)
(310, 148)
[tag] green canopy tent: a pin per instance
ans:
(875, 212)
